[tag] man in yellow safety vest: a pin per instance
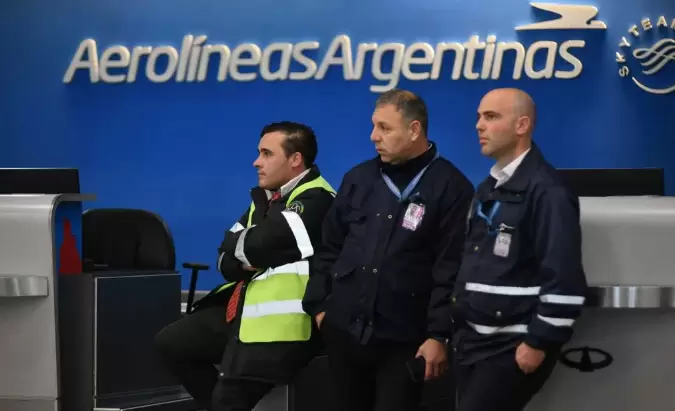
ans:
(254, 326)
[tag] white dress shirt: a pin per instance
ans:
(504, 174)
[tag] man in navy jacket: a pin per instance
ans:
(521, 285)
(382, 280)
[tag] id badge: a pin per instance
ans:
(502, 245)
(413, 216)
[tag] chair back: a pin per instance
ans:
(126, 239)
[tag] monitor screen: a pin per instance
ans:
(39, 181)
(604, 182)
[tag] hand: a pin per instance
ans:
(319, 319)
(248, 268)
(528, 358)
(436, 358)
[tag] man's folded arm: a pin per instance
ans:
(281, 238)
(229, 267)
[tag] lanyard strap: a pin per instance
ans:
(493, 211)
(411, 186)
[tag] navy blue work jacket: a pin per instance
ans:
(384, 277)
(521, 277)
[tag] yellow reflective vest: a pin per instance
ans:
(272, 309)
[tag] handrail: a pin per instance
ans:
(633, 297)
(24, 286)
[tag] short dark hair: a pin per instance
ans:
(408, 103)
(300, 138)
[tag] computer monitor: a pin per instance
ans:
(39, 181)
(604, 182)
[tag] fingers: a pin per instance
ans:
(520, 363)
(435, 369)
(441, 367)
(524, 366)
(319, 319)
(444, 367)
(428, 371)
(531, 368)
(435, 360)
(519, 359)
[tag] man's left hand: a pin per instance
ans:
(436, 357)
(248, 268)
(528, 358)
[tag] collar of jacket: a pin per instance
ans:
(261, 197)
(412, 166)
(520, 180)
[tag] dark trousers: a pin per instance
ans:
(497, 383)
(191, 346)
(371, 377)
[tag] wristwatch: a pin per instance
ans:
(444, 341)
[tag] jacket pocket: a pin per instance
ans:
(355, 215)
(498, 309)
(343, 279)
(341, 270)
(356, 220)
(345, 290)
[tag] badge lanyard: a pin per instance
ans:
(488, 218)
(406, 193)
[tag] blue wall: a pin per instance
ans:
(185, 150)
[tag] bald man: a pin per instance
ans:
(521, 284)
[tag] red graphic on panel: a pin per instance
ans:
(69, 258)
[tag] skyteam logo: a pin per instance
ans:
(647, 55)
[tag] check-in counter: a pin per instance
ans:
(621, 357)
(72, 339)
(36, 241)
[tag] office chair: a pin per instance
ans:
(130, 256)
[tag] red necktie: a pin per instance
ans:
(234, 302)
(234, 299)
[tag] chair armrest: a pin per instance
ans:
(196, 268)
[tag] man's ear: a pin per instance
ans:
(296, 159)
(523, 125)
(415, 128)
